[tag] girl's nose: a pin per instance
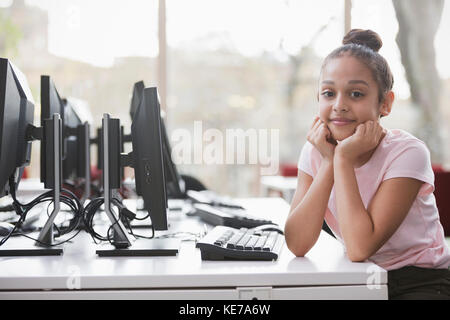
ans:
(339, 104)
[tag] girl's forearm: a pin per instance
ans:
(304, 224)
(355, 222)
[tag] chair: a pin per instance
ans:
(442, 195)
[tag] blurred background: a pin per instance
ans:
(250, 64)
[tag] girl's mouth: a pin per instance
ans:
(342, 122)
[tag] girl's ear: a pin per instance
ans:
(386, 105)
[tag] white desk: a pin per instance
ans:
(325, 272)
(284, 186)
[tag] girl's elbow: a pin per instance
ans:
(357, 255)
(297, 249)
(298, 252)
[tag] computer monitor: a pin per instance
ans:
(71, 162)
(138, 90)
(147, 161)
(16, 134)
(174, 183)
(76, 165)
(16, 113)
(51, 103)
(148, 157)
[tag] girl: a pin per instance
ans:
(373, 186)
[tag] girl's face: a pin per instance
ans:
(348, 96)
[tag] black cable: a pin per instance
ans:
(88, 216)
(66, 197)
(7, 208)
(143, 218)
(47, 244)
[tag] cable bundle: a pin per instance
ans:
(66, 197)
(125, 216)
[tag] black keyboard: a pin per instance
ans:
(235, 218)
(212, 198)
(225, 243)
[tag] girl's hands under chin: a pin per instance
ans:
(320, 137)
(366, 137)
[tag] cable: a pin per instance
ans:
(47, 244)
(66, 197)
(88, 216)
(7, 208)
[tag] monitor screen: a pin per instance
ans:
(148, 158)
(16, 112)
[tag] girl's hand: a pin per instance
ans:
(320, 137)
(366, 137)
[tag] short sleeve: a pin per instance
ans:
(304, 162)
(413, 162)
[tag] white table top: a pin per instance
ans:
(279, 182)
(325, 264)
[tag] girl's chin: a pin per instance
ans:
(340, 137)
(340, 134)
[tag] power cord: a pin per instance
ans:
(66, 197)
(125, 215)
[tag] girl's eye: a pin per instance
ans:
(356, 94)
(327, 94)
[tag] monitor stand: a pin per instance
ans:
(20, 246)
(143, 248)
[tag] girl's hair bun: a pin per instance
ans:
(362, 37)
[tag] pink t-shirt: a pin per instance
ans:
(419, 240)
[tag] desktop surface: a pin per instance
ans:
(326, 265)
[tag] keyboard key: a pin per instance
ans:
(251, 242)
(260, 243)
(270, 241)
(235, 239)
(241, 244)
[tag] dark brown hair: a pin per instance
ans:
(364, 46)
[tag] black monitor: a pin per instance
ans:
(71, 163)
(174, 183)
(76, 165)
(148, 158)
(147, 161)
(16, 134)
(138, 90)
(51, 103)
(16, 113)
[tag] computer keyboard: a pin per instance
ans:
(212, 198)
(225, 243)
(235, 218)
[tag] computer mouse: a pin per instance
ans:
(268, 227)
(5, 228)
